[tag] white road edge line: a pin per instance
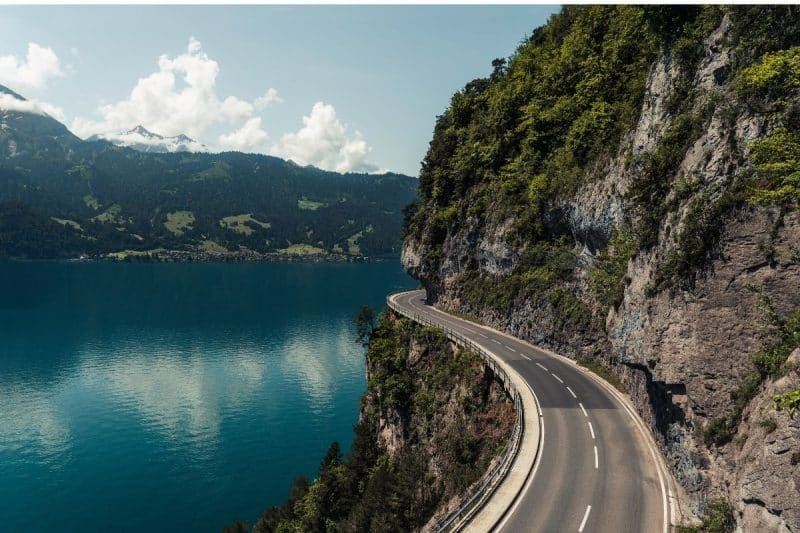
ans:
(591, 430)
(585, 518)
(558, 378)
(542, 367)
(584, 410)
(537, 461)
(572, 392)
(661, 468)
(596, 460)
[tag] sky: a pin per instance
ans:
(345, 88)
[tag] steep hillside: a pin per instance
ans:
(625, 188)
(63, 197)
(432, 420)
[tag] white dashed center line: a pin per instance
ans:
(584, 411)
(542, 367)
(591, 430)
(596, 460)
(571, 392)
(510, 348)
(585, 518)
(558, 378)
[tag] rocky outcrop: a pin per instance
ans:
(684, 348)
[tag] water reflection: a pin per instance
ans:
(31, 423)
(122, 385)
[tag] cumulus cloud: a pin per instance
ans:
(32, 73)
(179, 98)
(323, 141)
(10, 103)
(249, 138)
(269, 98)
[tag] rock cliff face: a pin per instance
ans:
(706, 278)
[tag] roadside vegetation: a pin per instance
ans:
(452, 420)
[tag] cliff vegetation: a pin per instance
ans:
(624, 189)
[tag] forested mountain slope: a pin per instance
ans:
(63, 197)
(625, 188)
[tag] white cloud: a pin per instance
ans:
(323, 142)
(34, 72)
(270, 97)
(249, 138)
(180, 97)
(9, 103)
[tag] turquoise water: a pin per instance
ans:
(173, 397)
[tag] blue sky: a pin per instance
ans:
(369, 80)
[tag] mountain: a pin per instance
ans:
(64, 197)
(139, 138)
(624, 190)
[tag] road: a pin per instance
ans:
(596, 470)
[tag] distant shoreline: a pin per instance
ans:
(193, 256)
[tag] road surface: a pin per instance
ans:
(595, 470)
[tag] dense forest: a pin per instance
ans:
(63, 197)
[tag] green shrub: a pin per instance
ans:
(650, 186)
(719, 517)
(776, 76)
(776, 160)
(607, 279)
(768, 424)
(719, 432)
(788, 401)
(770, 361)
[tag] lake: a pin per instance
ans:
(173, 397)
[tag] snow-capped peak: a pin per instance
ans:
(144, 140)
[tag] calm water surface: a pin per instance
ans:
(173, 397)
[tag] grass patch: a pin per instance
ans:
(218, 170)
(301, 249)
(242, 223)
(123, 255)
(213, 247)
(91, 202)
(66, 222)
(179, 222)
(605, 373)
(309, 205)
(112, 215)
(352, 243)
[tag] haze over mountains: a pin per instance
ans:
(61, 196)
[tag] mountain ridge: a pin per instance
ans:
(141, 139)
(103, 200)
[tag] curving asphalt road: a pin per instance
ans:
(596, 470)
